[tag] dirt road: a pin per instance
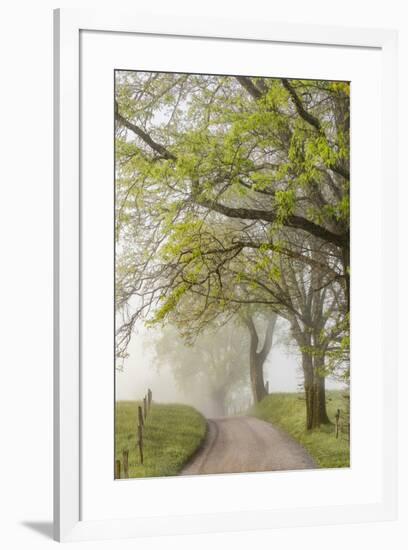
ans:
(246, 444)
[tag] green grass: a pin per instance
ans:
(171, 436)
(287, 411)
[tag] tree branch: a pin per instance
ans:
(163, 152)
(263, 354)
(312, 120)
(250, 87)
(293, 221)
(296, 222)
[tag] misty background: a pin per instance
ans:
(139, 371)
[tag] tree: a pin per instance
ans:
(269, 152)
(215, 362)
(222, 184)
(314, 331)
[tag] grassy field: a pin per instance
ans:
(287, 410)
(172, 434)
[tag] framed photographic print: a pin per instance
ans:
(225, 298)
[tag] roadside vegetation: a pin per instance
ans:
(171, 436)
(287, 411)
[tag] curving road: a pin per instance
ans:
(246, 444)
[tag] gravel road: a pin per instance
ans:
(246, 444)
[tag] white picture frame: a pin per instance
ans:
(68, 24)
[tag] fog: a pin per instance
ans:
(139, 371)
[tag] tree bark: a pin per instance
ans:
(257, 358)
(320, 415)
(322, 412)
(315, 393)
(257, 378)
(307, 366)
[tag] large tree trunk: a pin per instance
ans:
(315, 394)
(257, 377)
(307, 365)
(321, 411)
(257, 358)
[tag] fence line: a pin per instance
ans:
(142, 417)
(142, 414)
(342, 424)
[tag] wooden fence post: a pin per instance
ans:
(149, 398)
(337, 422)
(140, 414)
(117, 469)
(145, 407)
(140, 442)
(267, 387)
(126, 463)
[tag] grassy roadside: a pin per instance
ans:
(172, 434)
(287, 411)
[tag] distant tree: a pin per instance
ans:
(215, 364)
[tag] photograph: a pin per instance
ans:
(232, 274)
(205, 238)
